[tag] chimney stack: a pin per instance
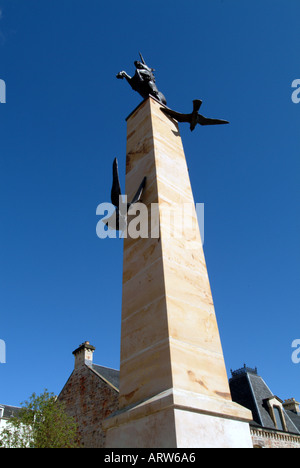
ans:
(292, 405)
(84, 355)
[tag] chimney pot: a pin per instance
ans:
(292, 405)
(84, 355)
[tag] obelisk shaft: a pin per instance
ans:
(169, 331)
(171, 355)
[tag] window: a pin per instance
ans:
(1, 412)
(278, 419)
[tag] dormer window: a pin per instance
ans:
(276, 412)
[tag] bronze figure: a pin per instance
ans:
(143, 81)
(118, 220)
(194, 118)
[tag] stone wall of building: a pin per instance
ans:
(263, 438)
(89, 400)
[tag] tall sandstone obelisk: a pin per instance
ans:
(174, 389)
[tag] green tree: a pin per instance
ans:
(41, 423)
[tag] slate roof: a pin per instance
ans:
(10, 411)
(108, 374)
(250, 390)
(295, 418)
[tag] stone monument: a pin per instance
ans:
(174, 390)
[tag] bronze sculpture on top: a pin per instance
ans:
(143, 81)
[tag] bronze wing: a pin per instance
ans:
(116, 188)
(206, 121)
(139, 192)
(177, 115)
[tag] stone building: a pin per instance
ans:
(91, 395)
(7, 412)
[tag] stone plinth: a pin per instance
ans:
(172, 370)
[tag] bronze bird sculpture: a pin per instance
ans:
(194, 118)
(118, 220)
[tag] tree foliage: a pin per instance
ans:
(41, 423)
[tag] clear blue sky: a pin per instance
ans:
(64, 122)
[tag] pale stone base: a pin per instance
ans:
(195, 430)
(152, 431)
(166, 421)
